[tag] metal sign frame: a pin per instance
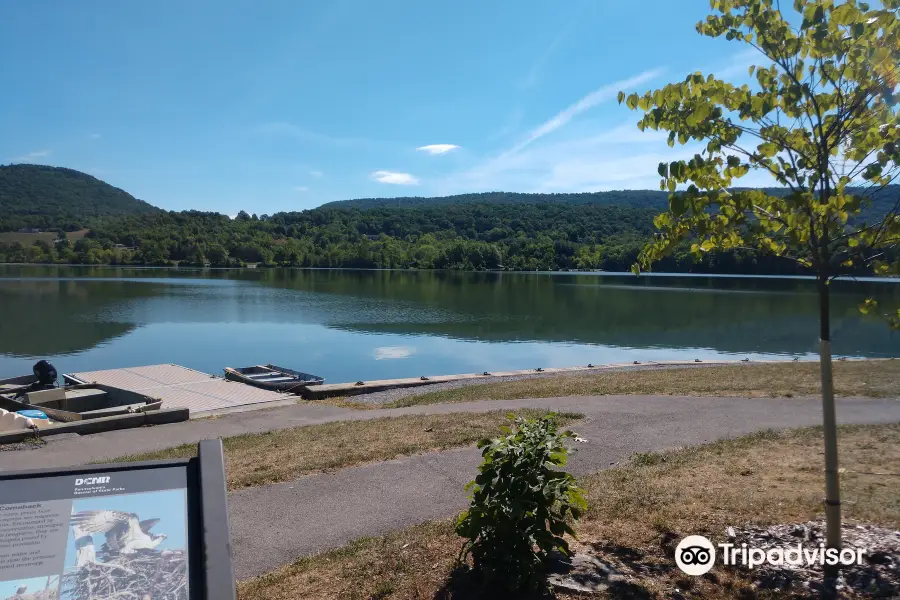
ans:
(210, 567)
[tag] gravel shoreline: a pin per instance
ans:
(389, 396)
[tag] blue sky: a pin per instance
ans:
(283, 105)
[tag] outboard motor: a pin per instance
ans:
(45, 372)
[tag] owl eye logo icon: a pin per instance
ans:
(695, 555)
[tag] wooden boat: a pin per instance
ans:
(17, 384)
(14, 405)
(76, 402)
(271, 377)
(19, 381)
(43, 376)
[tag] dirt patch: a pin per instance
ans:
(29, 444)
(877, 574)
(28, 239)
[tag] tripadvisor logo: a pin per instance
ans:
(696, 555)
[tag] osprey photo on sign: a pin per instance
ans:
(127, 546)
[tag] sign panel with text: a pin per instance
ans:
(121, 531)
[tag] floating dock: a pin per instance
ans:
(317, 392)
(181, 387)
(204, 394)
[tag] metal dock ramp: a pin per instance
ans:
(180, 387)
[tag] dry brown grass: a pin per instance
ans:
(274, 456)
(343, 402)
(48, 237)
(27, 239)
(852, 378)
(638, 513)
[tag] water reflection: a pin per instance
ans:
(59, 317)
(343, 321)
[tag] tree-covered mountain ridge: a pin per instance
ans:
(655, 199)
(633, 198)
(527, 232)
(48, 197)
(45, 197)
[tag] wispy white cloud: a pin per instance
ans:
(595, 157)
(395, 178)
(32, 156)
(739, 64)
(300, 188)
(531, 78)
(94, 136)
(316, 173)
(282, 128)
(434, 149)
(513, 121)
(598, 96)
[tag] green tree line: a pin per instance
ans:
(547, 236)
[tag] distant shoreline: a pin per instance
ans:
(653, 274)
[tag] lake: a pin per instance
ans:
(363, 325)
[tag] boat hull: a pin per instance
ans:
(14, 385)
(17, 381)
(273, 378)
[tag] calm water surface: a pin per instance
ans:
(351, 325)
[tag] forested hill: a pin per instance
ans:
(38, 196)
(652, 199)
(632, 198)
(512, 231)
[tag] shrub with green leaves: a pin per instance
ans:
(521, 504)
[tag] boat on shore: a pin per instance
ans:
(15, 384)
(24, 408)
(274, 378)
(43, 377)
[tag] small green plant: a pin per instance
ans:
(647, 459)
(521, 504)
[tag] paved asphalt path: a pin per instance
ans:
(274, 524)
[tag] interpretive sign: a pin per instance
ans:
(155, 529)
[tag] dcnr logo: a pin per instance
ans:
(695, 555)
(91, 480)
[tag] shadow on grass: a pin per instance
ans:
(638, 561)
(465, 582)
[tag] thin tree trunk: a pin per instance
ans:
(829, 421)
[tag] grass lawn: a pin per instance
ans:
(851, 378)
(49, 237)
(251, 459)
(637, 514)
